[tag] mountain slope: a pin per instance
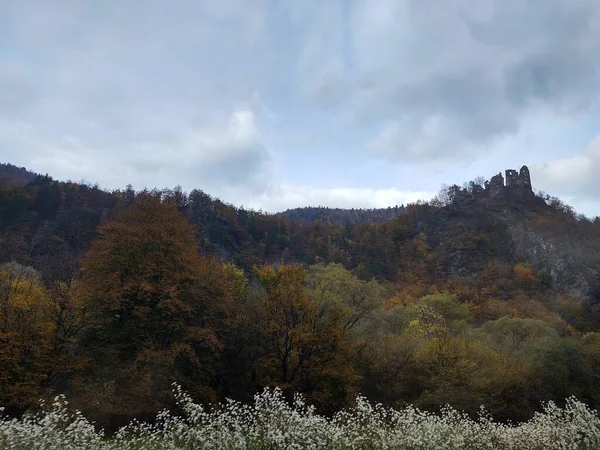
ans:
(531, 231)
(458, 234)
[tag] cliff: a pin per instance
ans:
(517, 226)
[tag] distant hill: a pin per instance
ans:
(14, 174)
(339, 215)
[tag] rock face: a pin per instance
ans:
(567, 258)
(506, 214)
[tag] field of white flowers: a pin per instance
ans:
(270, 423)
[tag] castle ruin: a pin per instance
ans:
(518, 185)
(521, 180)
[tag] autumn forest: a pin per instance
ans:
(109, 297)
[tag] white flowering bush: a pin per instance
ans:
(54, 428)
(271, 423)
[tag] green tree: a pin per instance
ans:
(339, 290)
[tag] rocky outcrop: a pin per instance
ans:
(563, 256)
(468, 236)
(502, 222)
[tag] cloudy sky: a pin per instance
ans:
(274, 104)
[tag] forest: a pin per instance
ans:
(110, 297)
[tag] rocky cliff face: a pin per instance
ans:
(510, 224)
(570, 258)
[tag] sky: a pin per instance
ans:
(272, 104)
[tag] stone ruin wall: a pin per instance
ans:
(518, 184)
(519, 180)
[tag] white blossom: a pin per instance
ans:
(271, 423)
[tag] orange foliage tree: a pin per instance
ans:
(524, 276)
(149, 311)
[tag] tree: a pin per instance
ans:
(25, 337)
(48, 198)
(65, 309)
(476, 183)
(303, 342)
(148, 313)
(338, 289)
(524, 276)
(389, 369)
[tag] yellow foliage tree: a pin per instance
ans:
(303, 342)
(25, 337)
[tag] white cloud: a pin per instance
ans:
(283, 197)
(227, 160)
(575, 177)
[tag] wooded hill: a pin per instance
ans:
(471, 298)
(340, 216)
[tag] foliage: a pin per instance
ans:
(147, 300)
(109, 297)
(25, 336)
(302, 339)
(341, 216)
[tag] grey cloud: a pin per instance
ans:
(321, 61)
(478, 68)
(564, 80)
(143, 91)
(229, 161)
(100, 57)
(137, 92)
(17, 90)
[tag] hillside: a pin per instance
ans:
(487, 294)
(10, 174)
(340, 216)
(464, 231)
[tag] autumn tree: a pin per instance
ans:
(148, 312)
(66, 310)
(345, 295)
(25, 337)
(524, 276)
(225, 290)
(390, 370)
(303, 342)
